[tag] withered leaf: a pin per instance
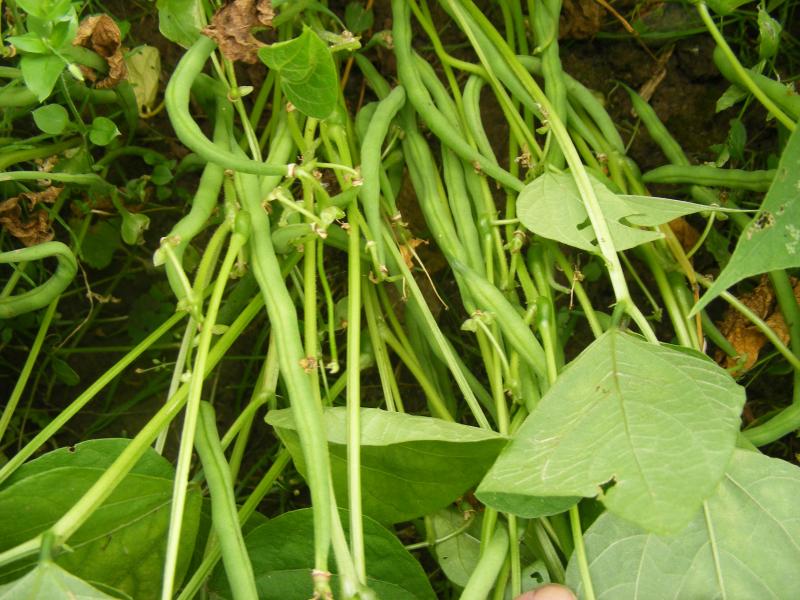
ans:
(743, 335)
(102, 35)
(31, 227)
(231, 28)
(686, 234)
(407, 250)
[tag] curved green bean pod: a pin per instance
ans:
(472, 114)
(785, 97)
(419, 97)
(511, 323)
(370, 190)
(756, 181)
(176, 99)
(42, 295)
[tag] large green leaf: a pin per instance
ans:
(40, 73)
(282, 554)
(180, 21)
(411, 466)
(772, 239)
(551, 206)
(745, 544)
(122, 544)
(655, 423)
(307, 73)
(457, 555)
(48, 581)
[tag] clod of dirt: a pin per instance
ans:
(31, 227)
(231, 28)
(580, 19)
(743, 335)
(102, 35)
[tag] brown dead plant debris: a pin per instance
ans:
(30, 226)
(743, 335)
(231, 27)
(102, 35)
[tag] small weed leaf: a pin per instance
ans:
(122, 544)
(48, 10)
(551, 206)
(457, 555)
(40, 73)
(103, 131)
(307, 72)
(52, 582)
(772, 239)
(180, 21)
(282, 554)
(357, 18)
(717, 555)
(725, 7)
(655, 426)
(412, 465)
(51, 119)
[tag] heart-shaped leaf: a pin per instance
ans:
(307, 73)
(180, 21)
(40, 73)
(122, 544)
(51, 582)
(744, 544)
(655, 422)
(551, 206)
(772, 239)
(411, 465)
(282, 554)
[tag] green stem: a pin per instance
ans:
(580, 553)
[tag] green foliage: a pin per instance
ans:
(180, 21)
(357, 18)
(52, 118)
(41, 73)
(411, 465)
(621, 411)
(307, 72)
(282, 555)
(716, 555)
(772, 239)
(98, 247)
(122, 544)
(48, 581)
(103, 131)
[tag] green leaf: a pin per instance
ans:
(458, 555)
(357, 18)
(772, 239)
(769, 35)
(180, 21)
(282, 554)
(29, 42)
(103, 131)
(63, 372)
(551, 206)
(50, 10)
(48, 581)
(744, 545)
(307, 73)
(411, 465)
(40, 73)
(133, 227)
(122, 544)
(725, 7)
(655, 422)
(144, 71)
(51, 119)
(99, 245)
(731, 96)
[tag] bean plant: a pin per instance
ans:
(571, 427)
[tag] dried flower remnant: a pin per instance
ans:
(31, 227)
(743, 335)
(102, 35)
(231, 28)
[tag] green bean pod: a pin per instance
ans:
(370, 190)
(176, 99)
(44, 294)
(756, 181)
(419, 97)
(785, 97)
(511, 323)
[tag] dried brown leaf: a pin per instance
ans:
(407, 250)
(231, 28)
(30, 226)
(686, 234)
(743, 335)
(102, 35)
